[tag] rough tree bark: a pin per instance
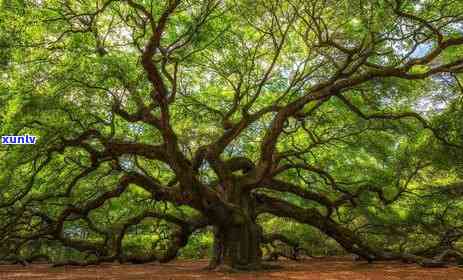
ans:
(237, 236)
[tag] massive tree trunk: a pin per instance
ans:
(237, 246)
(237, 236)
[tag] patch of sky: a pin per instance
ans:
(421, 50)
(437, 100)
(73, 231)
(456, 27)
(420, 5)
(430, 104)
(136, 128)
(127, 163)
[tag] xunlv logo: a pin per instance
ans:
(18, 140)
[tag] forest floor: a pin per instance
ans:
(312, 269)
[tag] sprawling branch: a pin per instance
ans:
(396, 116)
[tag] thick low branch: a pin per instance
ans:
(342, 235)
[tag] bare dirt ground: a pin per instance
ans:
(319, 269)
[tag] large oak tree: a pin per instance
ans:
(215, 113)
